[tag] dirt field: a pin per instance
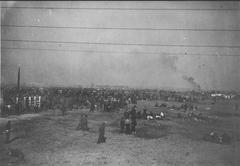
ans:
(51, 139)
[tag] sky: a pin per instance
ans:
(131, 57)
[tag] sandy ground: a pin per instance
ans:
(50, 139)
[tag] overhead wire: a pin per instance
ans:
(119, 28)
(112, 52)
(125, 44)
(118, 8)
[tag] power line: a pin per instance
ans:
(119, 28)
(127, 9)
(114, 52)
(124, 44)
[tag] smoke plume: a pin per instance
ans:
(192, 82)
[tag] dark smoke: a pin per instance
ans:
(192, 82)
(170, 62)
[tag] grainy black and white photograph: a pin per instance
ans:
(120, 83)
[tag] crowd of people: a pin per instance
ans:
(33, 99)
(37, 99)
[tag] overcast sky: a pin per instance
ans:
(131, 65)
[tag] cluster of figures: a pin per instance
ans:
(83, 125)
(31, 102)
(23, 104)
(129, 121)
(144, 114)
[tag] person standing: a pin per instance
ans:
(92, 107)
(8, 132)
(144, 114)
(39, 102)
(125, 114)
(63, 105)
(133, 119)
(35, 103)
(127, 126)
(122, 124)
(83, 124)
(101, 138)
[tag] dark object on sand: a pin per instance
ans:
(133, 125)
(138, 114)
(101, 138)
(163, 105)
(127, 126)
(144, 114)
(8, 132)
(126, 114)
(16, 153)
(122, 124)
(214, 137)
(63, 109)
(83, 123)
(225, 138)
(92, 107)
(133, 119)
(211, 137)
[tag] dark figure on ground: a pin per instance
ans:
(101, 138)
(133, 119)
(122, 124)
(83, 123)
(63, 111)
(144, 114)
(126, 114)
(92, 107)
(211, 137)
(8, 132)
(139, 114)
(163, 105)
(133, 126)
(127, 126)
(63, 105)
(225, 139)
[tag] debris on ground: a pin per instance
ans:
(216, 138)
(16, 153)
(163, 105)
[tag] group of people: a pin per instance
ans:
(128, 124)
(129, 121)
(83, 125)
(33, 98)
(31, 102)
